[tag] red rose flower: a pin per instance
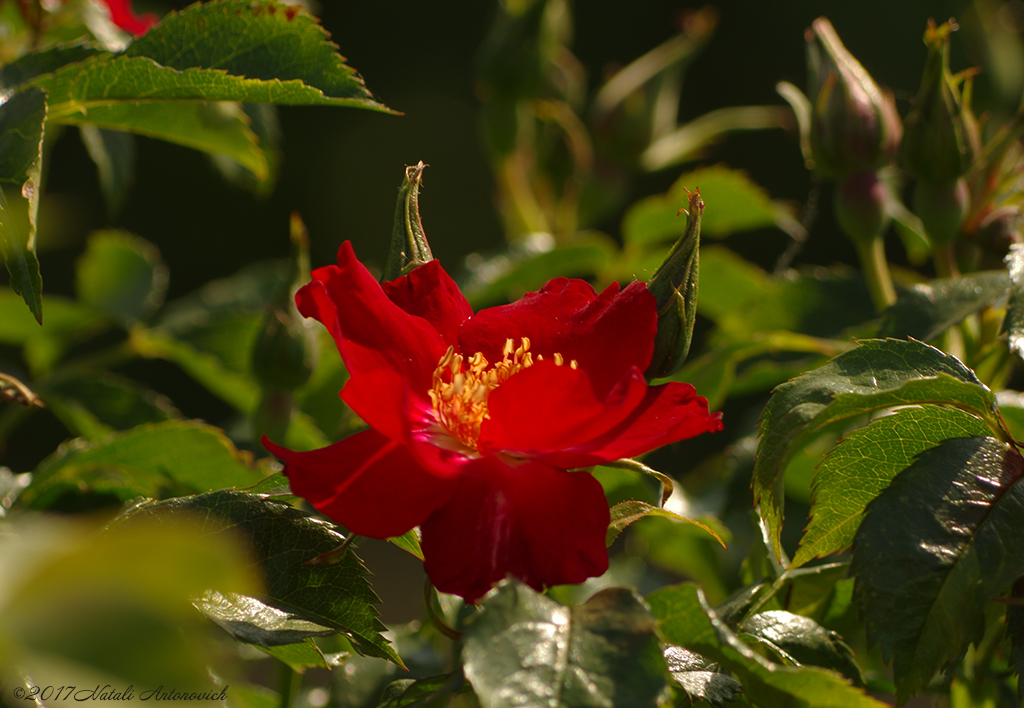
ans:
(122, 15)
(475, 420)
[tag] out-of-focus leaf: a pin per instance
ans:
(863, 465)
(803, 642)
(879, 374)
(155, 460)
(526, 649)
(122, 275)
(335, 596)
(529, 265)
(1015, 306)
(820, 303)
(624, 514)
(94, 407)
(113, 152)
(908, 226)
(22, 118)
(688, 620)
(262, 121)
(934, 548)
(67, 321)
(700, 678)
(689, 140)
(734, 203)
(924, 311)
(112, 607)
(727, 281)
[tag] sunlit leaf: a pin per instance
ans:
(299, 597)
(863, 465)
(525, 649)
(687, 620)
(700, 678)
(803, 642)
(934, 548)
(624, 514)
(878, 374)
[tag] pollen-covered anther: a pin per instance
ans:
(461, 386)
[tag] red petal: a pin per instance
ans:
(371, 485)
(667, 414)
(542, 525)
(122, 15)
(606, 334)
(430, 293)
(548, 408)
(372, 332)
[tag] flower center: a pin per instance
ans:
(461, 386)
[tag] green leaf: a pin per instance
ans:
(924, 311)
(526, 649)
(21, 134)
(734, 203)
(727, 281)
(700, 678)
(113, 152)
(1015, 306)
(934, 548)
(262, 41)
(625, 513)
(1015, 633)
(95, 406)
(112, 607)
(864, 463)
(46, 61)
(219, 128)
(802, 642)
(880, 373)
(301, 656)
(425, 692)
(249, 620)
(122, 275)
(335, 596)
(688, 620)
(526, 267)
(22, 118)
(66, 319)
(409, 542)
(176, 457)
(820, 303)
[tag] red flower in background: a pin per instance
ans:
(475, 420)
(122, 15)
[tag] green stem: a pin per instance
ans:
(876, 272)
(435, 619)
(289, 686)
(945, 262)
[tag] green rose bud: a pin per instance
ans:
(854, 124)
(940, 138)
(674, 286)
(409, 247)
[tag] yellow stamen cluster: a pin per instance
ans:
(461, 386)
